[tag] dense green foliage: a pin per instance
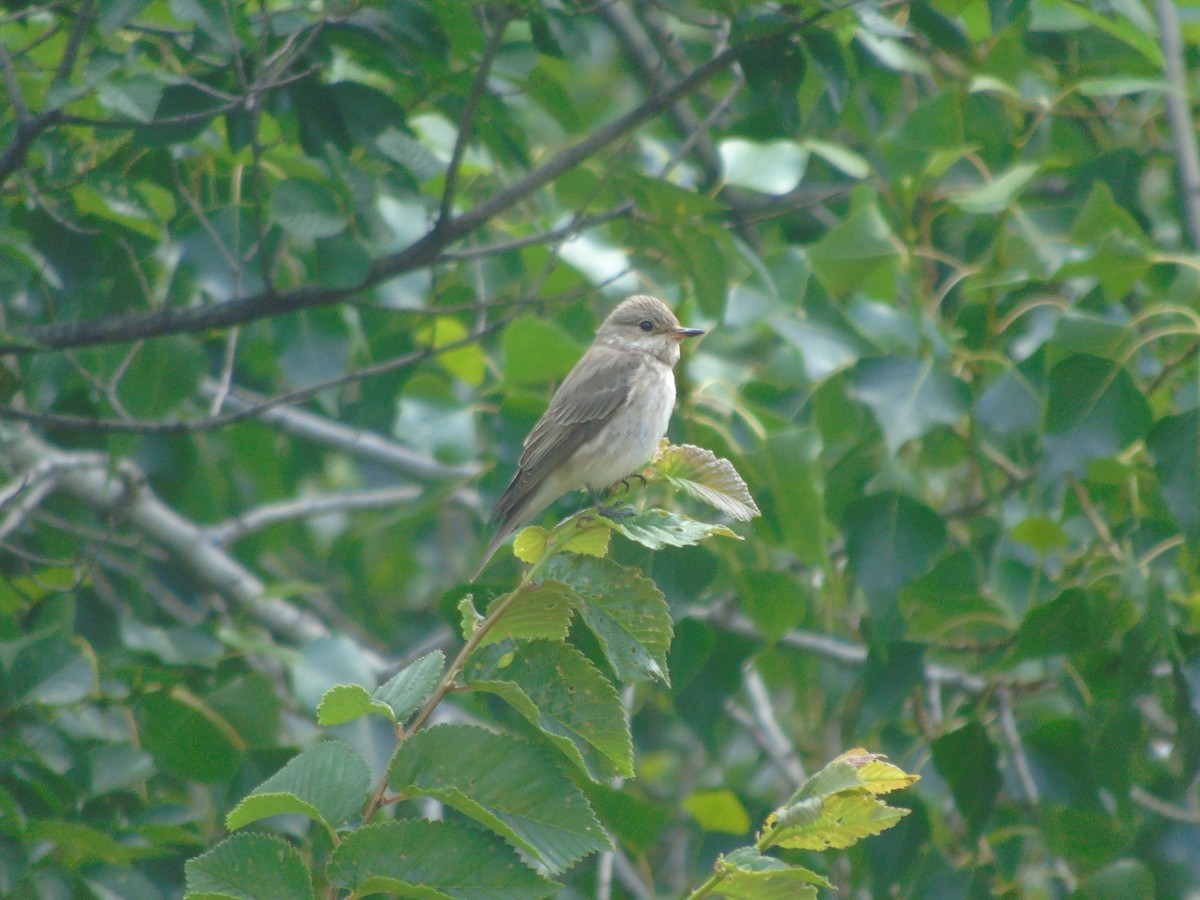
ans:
(284, 285)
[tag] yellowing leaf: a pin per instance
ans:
(591, 542)
(530, 544)
(883, 778)
(718, 811)
(837, 822)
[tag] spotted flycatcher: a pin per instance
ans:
(606, 419)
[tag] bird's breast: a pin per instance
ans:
(633, 434)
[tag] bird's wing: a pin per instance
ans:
(590, 396)
(593, 392)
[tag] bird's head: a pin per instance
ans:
(645, 324)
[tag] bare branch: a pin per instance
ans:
(467, 120)
(422, 252)
(1179, 114)
(122, 490)
(269, 514)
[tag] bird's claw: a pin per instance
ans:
(616, 512)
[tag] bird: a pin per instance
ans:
(606, 419)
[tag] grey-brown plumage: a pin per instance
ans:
(606, 419)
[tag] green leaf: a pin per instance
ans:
(840, 157)
(188, 739)
(966, 759)
(718, 810)
(135, 97)
(836, 822)
(706, 268)
(537, 351)
(347, 702)
(825, 345)
(506, 784)
(658, 528)
(908, 396)
(249, 867)
(625, 610)
(891, 539)
(163, 374)
(328, 783)
(407, 690)
(949, 597)
(1094, 411)
(998, 193)
(772, 168)
(775, 601)
(794, 508)
(853, 251)
(592, 540)
(1174, 443)
(1073, 622)
(749, 875)
(306, 209)
(704, 475)
(559, 691)
(53, 671)
(415, 858)
(342, 263)
(542, 610)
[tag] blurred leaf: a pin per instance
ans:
(537, 351)
(772, 168)
(891, 539)
(1174, 443)
(1073, 622)
(852, 251)
(408, 857)
(908, 396)
(1094, 410)
(967, 759)
(53, 671)
(718, 810)
(161, 376)
(774, 601)
(187, 739)
(306, 209)
(997, 194)
(507, 785)
(342, 263)
(249, 867)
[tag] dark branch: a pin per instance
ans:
(139, 326)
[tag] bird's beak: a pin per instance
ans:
(682, 333)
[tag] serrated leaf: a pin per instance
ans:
(347, 702)
(658, 528)
(411, 857)
(624, 610)
(559, 691)
(542, 610)
(249, 867)
(837, 822)
(881, 777)
(328, 783)
(506, 784)
(749, 875)
(409, 688)
(707, 477)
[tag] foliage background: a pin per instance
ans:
(284, 286)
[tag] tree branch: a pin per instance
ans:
(121, 490)
(422, 252)
(1179, 114)
(269, 514)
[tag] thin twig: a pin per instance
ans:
(262, 517)
(1179, 115)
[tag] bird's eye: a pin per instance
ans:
(646, 326)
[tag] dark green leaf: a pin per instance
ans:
(306, 209)
(1174, 442)
(507, 785)
(967, 759)
(410, 857)
(249, 867)
(626, 612)
(908, 396)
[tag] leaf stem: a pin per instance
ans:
(559, 539)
